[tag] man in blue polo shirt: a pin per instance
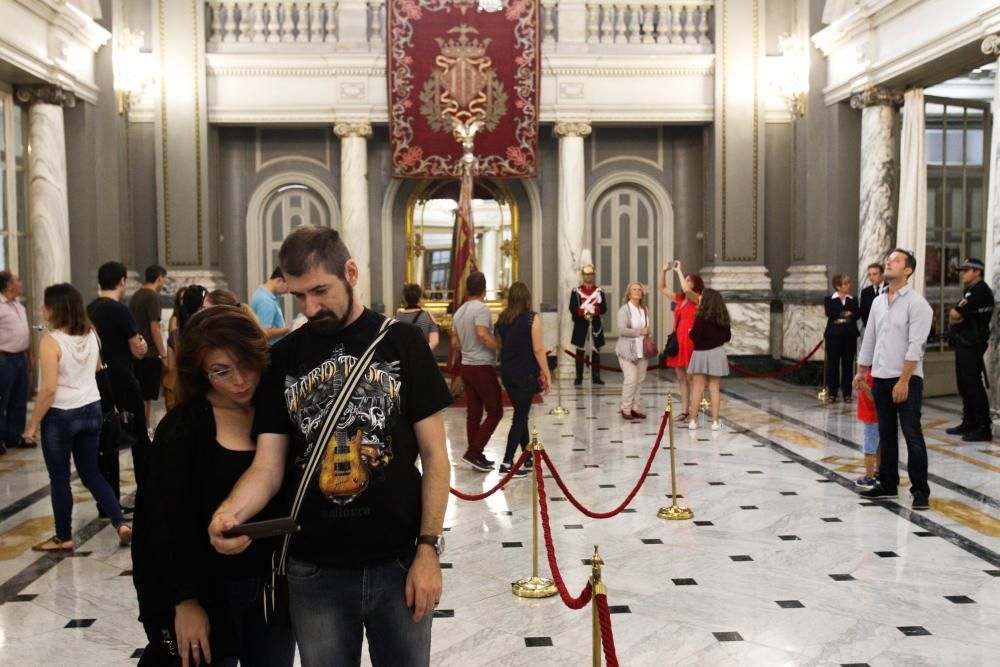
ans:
(267, 307)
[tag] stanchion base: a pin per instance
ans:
(675, 513)
(533, 587)
(559, 411)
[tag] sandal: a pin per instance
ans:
(124, 535)
(683, 417)
(54, 544)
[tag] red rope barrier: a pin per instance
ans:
(631, 495)
(784, 371)
(607, 634)
(502, 483)
(581, 600)
(590, 363)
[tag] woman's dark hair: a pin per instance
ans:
(191, 302)
(518, 301)
(219, 328)
(697, 284)
(66, 309)
(713, 308)
(411, 295)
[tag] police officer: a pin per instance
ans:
(970, 333)
(586, 304)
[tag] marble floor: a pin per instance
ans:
(783, 564)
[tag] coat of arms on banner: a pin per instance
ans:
(450, 63)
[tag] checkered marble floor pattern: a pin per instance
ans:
(782, 564)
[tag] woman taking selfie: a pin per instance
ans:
(68, 412)
(203, 606)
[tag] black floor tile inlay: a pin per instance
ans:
(629, 511)
(573, 526)
(511, 545)
(591, 465)
(556, 499)
(652, 540)
(855, 664)
(824, 481)
(789, 493)
(923, 533)
(832, 519)
(755, 472)
(537, 642)
(789, 538)
(446, 566)
(632, 456)
(616, 442)
(605, 486)
(684, 582)
(653, 474)
(619, 609)
(913, 630)
(992, 573)
(789, 604)
(22, 597)
(748, 507)
(741, 558)
(728, 636)
(690, 463)
(716, 483)
(504, 512)
(80, 623)
(959, 599)
(444, 613)
(703, 523)
(727, 454)
(869, 504)
(887, 554)
(842, 577)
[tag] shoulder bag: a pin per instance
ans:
(277, 588)
(673, 346)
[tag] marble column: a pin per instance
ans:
(879, 180)
(47, 190)
(354, 222)
(991, 46)
(572, 223)
(804, 320)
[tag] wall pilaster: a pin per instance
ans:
(354, 221)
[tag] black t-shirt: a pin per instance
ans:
(976, 309)
(115, 326)
(364, 505)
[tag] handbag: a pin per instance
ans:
(276, 590)
(116, 427)
(648, 347)
(672, 347)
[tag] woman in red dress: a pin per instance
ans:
(686, 304)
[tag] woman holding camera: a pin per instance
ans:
(193, 602)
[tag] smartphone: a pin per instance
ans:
(260, 529)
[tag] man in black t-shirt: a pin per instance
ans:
(371, 522)
(970, 334)
(121, 344)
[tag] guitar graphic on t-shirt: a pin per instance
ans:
(343, 472)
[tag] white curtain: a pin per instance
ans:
(911, 230)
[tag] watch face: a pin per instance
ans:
(439, 547)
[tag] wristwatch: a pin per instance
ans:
(436, 541)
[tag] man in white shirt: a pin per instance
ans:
(15, 360)
(894, 345)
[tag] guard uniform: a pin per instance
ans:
(969, 339)
(586, 304)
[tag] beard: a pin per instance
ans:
(327, 322)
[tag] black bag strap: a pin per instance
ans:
(327, 429)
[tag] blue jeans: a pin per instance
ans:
(332, 608)
(76, 432)
(13, 396)
(907, 415)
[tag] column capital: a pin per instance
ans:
(991, 45)
(876, 96)
(361, 129)
(46, 94)
(571, 129)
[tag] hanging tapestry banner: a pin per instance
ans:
(450, 62)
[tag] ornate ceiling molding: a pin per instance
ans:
(571, 129)
(361, 129)
(991, 45)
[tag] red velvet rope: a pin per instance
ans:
(608, 368)
(607, 635)
(502, 483)
(784, 371)
(581, 600)
(645, 473)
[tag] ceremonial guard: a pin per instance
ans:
(970, 334)
(586, 304)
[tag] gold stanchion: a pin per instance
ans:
(534, 586)
(823, 393)
(675, 511)
(559, 410)
(598, 588)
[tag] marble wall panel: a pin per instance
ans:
(802, 328)
(751, 324)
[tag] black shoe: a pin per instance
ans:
(597, 380)
(577, 382)
(920, 503)
(127, 509)
(478, 463)
(982, 435)
(3, 449)
(877, 492)
(957, 430)
(24, 444)
(505, 468)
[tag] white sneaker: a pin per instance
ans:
(693, 425)
(716, 426)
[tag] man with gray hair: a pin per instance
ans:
(15, 360)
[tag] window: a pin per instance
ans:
(13, 215)
(957, 134)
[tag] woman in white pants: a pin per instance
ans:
(633, 325)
